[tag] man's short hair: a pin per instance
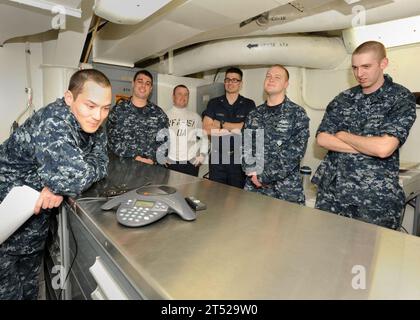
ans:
(282, 67)
(370, 46)
(77, 80)
(234, 70)
(180, 86)
(144, 72)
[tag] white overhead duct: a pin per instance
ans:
(302, 51)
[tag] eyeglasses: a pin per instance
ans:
(228, 80)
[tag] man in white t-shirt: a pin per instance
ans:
(188, 145)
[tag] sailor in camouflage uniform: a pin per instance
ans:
(137, 128)
(60, 151)
(362, 129)
(285, 126)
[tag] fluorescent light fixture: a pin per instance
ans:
(392, 33)
(51, 7)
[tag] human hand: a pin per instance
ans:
(144, 160)
(219, 132)
(254, 179)
(47, 200)
(236, 131)
(198, 161)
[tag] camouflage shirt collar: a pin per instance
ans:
(384, 88)
(71, 118)
(68, 115)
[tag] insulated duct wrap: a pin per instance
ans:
(309, 52)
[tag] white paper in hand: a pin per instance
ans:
(16, 208)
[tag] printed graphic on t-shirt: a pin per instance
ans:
(182, 126)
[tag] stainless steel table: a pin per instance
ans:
(249, 246)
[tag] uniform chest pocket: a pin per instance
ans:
(281, 132)
(374, 116)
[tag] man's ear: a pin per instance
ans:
(384, 63)
(68, 98)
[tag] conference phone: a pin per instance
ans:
(148, 204)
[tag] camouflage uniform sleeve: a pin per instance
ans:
(161, 142)
(290, 154)
(98, 157)
(116, 142)
(63, 166)
(400, 120)
(331, 121)
(250, 163)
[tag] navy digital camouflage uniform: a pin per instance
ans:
(357, 185)
(136, 131)
(286, 133)
(48, 150)
(227, 171)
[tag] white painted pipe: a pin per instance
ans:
(302, 51)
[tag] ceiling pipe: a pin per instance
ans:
(299, 51)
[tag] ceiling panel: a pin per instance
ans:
(27, 17)
(197, 17)
(238, 10)
(143, 44)
(12, 15)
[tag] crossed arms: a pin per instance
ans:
(381, 147)
(212, 127)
